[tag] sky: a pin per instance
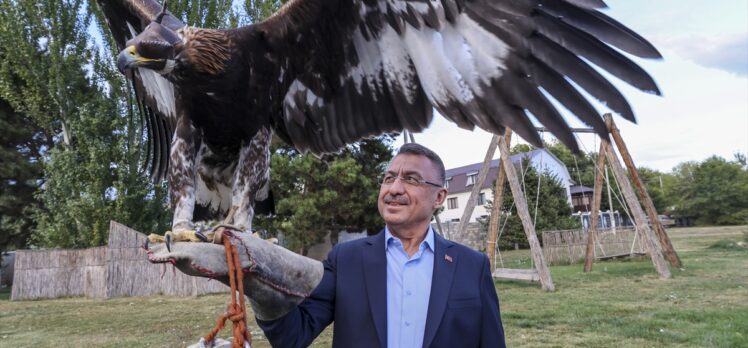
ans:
(703, 76)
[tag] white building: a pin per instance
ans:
(460, 182)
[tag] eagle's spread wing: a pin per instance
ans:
(356, 68)
(154, 94)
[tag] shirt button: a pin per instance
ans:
(408, 293)
(407, 323)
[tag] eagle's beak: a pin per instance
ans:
(130, 58)
(127, 58)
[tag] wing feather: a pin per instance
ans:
(521, 92)
(555, 84)
(378, 66)
(508, 115)
(590, 4)
(559, 58)
(155, 95)
(599, 25)
(587, 46)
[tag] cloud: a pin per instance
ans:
(725, 52)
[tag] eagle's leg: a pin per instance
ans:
(249, 182)
(182, 171)
(251, 178)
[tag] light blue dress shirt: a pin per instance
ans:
(408, 290)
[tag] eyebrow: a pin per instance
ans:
(411, 173)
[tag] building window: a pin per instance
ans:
(446, 182)
(482, 198)
(452, 203)
(471, 179)
(581, 200)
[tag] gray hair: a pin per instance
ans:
(420, 150)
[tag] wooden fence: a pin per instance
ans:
(569, 246)
(59, 273)
(119, 269)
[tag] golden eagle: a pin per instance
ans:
(325, 73)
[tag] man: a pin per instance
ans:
(406, 286)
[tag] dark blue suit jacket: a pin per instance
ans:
(463, 308)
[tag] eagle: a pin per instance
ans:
(321, 74)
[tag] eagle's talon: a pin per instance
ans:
(201, 236)
(146, 244)
(167, 240)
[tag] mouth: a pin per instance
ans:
(395, 201)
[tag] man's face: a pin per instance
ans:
(405, 206)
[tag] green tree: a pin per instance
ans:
(21, 147)
(553, 211)
(741, 159)
(714, 191)
(657, 184)
(205, 14)
(53, 73)
(581, 166)
(316, 196)
(520, 148)
(683, 174)
(582, 169)
(373, 155)
(258, 10)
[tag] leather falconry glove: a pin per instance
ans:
(275, 279)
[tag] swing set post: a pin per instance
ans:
(521, 203)
(498, 201)
(665, 242)
(478, 186)
(651, 244)
(595, 213)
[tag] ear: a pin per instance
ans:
(441, 196)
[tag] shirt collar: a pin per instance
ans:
(429, 240)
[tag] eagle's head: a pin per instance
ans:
(180, 54)
(154, 48)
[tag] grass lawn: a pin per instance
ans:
(620, 304)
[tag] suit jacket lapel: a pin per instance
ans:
(441, 282)
(375, 273)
